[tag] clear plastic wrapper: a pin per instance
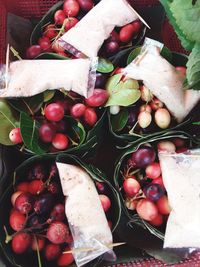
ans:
(182, 181)
(25, 78)
(91, 233)
(98, 23)
(162, 79)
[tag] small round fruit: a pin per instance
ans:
(54, 112)
(156, 104)
(24, 203)
(17, 220)
(143, 157)
(114, 110)
(132, 117)
(162, 118)
(33, 51)
(71, 8)
(65, 259)
(21, 242)
(36, 187)
(131, 187)
(60, 141)
(136, 26)
(78, 110)
(23, 187)
(182, 70)
(53, 188)
(179, 142)
(98, 99)
(105, 201)
(44, 203)
(57, 233)
(153, 192)
(47, 132)
(144, 119)
(153, 171)
(15, 196)
(37, 243)
(100, 80)
(86, 5)
(114, 36)
(58, 213)
(145, 108)
(146, 94)
(50, 31)
(159, 181)
(166, 146)
(59, 17)
(111, 48)
(15, 136)
(90, 116)
(38, 171)
(147, 210)
(52, 252)
(126, 33)
(44, 43)
(158, 221)
(163, 205)
(70, 23)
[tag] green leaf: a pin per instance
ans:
(187, 18)
(8, 121)
(76, 130)
(29, 131)
(186, 43)
(30, 105)
(104, 65)
(51, 56)
(193, 68)
(48, 18)
(119, 121)
(48, 95)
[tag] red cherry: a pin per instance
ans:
(131, 187)
(24, 203)
(71, 8)
(15, 136)
(58, 213)
(78, 110)
(86, 5)
(23, 186)
(60, 141)
(38, 243)
(136, 26)
(147, 210)
(105, 201)
(47, 132)
(90, 116)
(59, 17)
(163, 205)
(33, 51)
(159, 181)
(57, 232)
(65, 259)
(114, 36)
(17, 220)
(182, 150)
(179, 142)
(44, 43)
(153, 171)
(50, 31)
(98, 99)
(54, 112)
(14, 196)
(158, 221)
(36, 187)
(70, 23)
(126, 33)
(21, 242)
(52, 252)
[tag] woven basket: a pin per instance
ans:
(36, 9)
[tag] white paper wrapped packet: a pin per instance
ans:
(95, 27)
(181, 176)
(26, 78)
(85, 214)
(163, 80)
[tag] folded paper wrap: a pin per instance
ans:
(163, 80)
(84, 213)
(30, 77)
(90, 32)
(182, 181)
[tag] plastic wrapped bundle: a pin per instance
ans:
(85, 215)
(26, 78)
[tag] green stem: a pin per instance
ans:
(38, 252)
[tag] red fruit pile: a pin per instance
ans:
(38, 215)
(66, 18)
(143, 188)
(55, 130)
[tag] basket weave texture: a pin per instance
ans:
(36, 9)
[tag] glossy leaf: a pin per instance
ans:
(51, 56)
(48, 95)
(8, 121)
(120, 120)
(104, 65)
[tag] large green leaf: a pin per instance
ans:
(48, 18)
(29, 131)
(8, 121)
(104, 65)
(29, 105)
(187, 18)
